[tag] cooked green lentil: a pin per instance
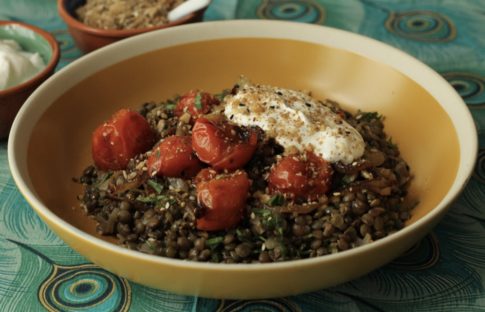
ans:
(157, 215)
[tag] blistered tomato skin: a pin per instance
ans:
(321, 174)
(305, 177)
(205, 175)
(196, 103)
(208, 144)
(124, 136)
(174, 157)
(289, 176)
(222, 145)
(222, 199)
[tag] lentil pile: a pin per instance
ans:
(158, 215)
(125, 14)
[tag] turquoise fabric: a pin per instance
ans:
(443, 272)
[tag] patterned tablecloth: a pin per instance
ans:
(444, 272)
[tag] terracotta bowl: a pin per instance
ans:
(50, 140)
(88, 38)
(31, 39)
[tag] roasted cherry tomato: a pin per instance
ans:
(205, 175)
(289, 176)
(174, 157)
(222, 198)
(304, 176)
(222, 145)
(124, 136)
(196, 103)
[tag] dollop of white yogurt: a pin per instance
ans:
(16, 65)
(295, 120)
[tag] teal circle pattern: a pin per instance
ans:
(298, 11)
(77, 290)
(84, 287)
(471, 87)
(425, 26)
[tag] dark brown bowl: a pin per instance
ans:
(88, 38)
(11, 99)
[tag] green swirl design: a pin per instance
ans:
(305, 11)
(82, 287)
(425, 26)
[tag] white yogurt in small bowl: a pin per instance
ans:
(28, 56)
(16, 64)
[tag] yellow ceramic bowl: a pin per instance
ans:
(50, 139)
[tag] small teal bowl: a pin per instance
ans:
(31, 39)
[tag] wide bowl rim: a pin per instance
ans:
(51, 64)
(115, 33)
(440, 89)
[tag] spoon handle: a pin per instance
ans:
(186, 8)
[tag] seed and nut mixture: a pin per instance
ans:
(157, 215)
(125, 14)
